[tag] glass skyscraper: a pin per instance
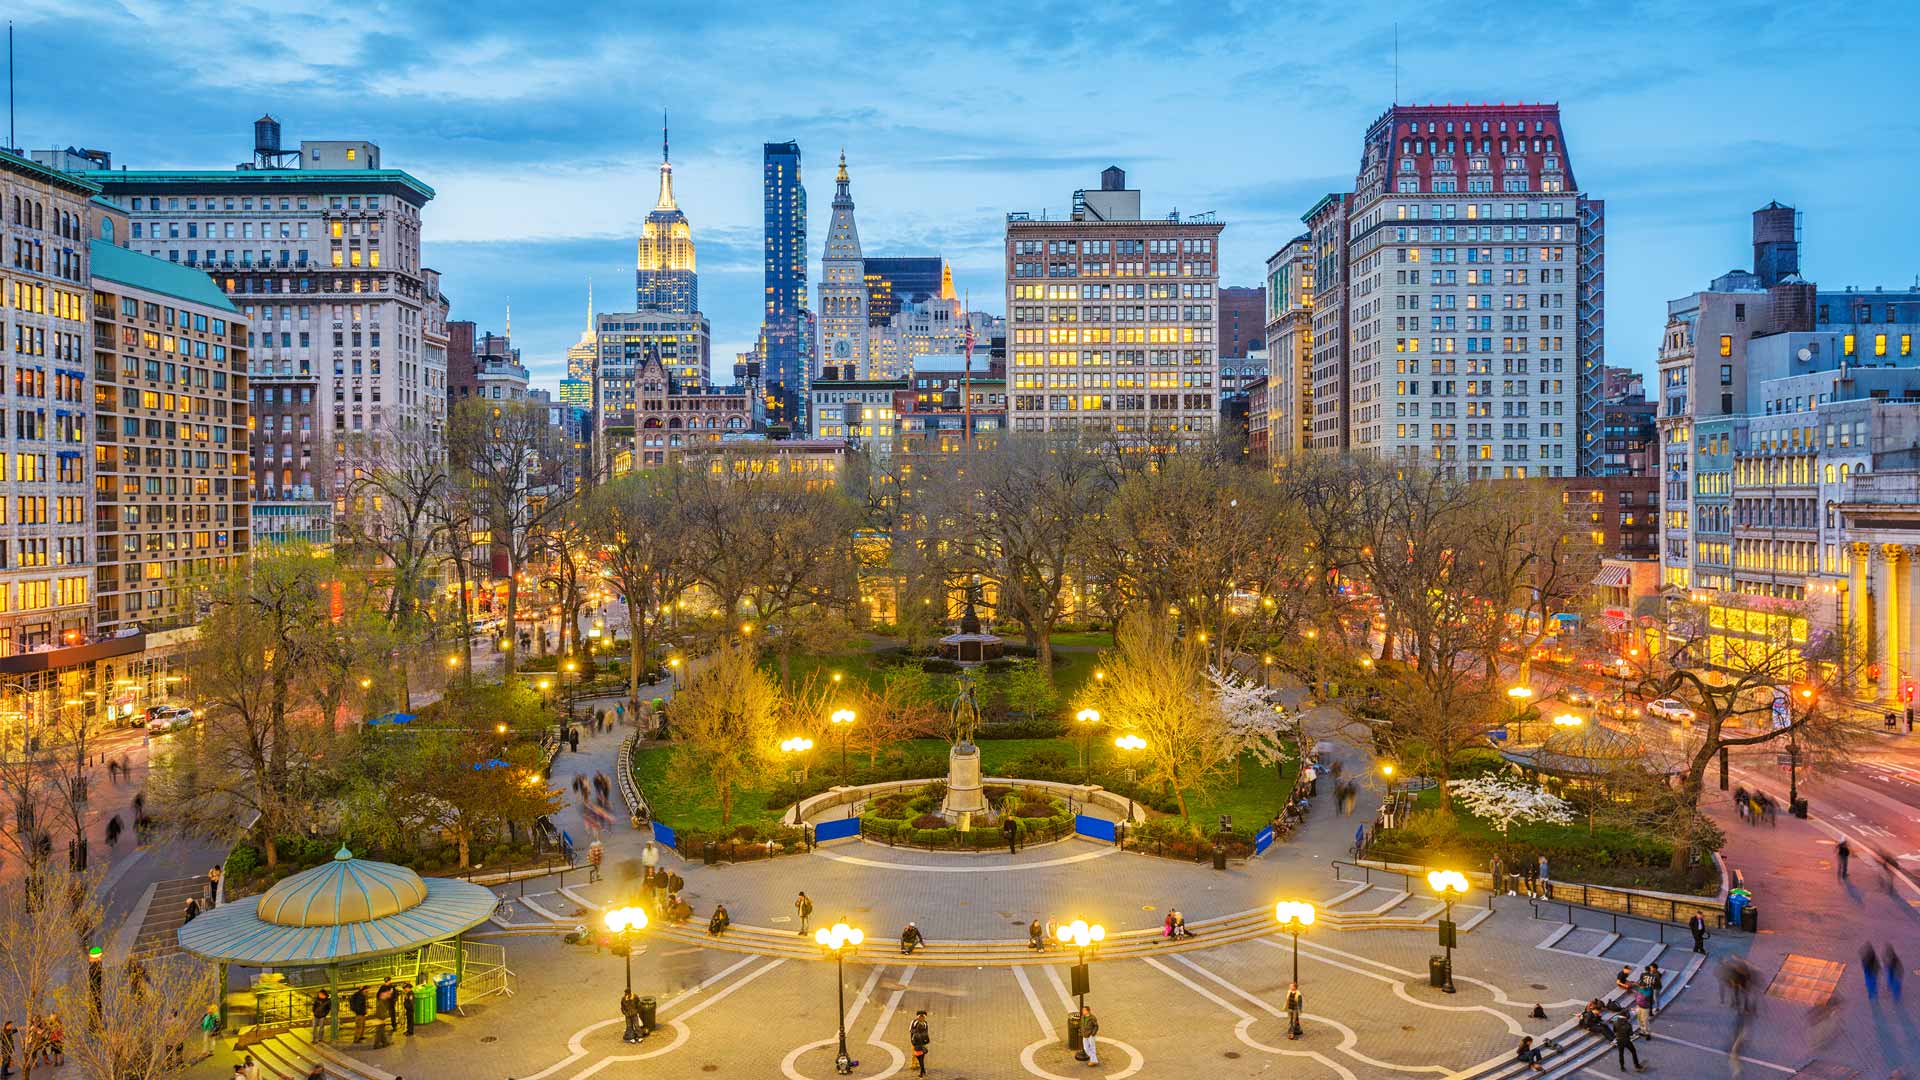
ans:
(784, 329)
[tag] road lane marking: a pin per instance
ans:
(1247, 1020)
(1744, 1060)
(857, 860)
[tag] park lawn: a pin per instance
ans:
(1083, 639)
(694, 810)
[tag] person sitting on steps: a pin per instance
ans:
(911, 939)
(1035, 938)
(720, 921)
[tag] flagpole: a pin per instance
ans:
(966, 384)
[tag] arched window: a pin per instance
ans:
(106, 229)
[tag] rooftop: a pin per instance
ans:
(142, 178)
(117, 264)
(15, 163)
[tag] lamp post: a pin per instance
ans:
(1451, 885)
(799, 744)
(1088, 719)
(1519, 695)
(546, 697)
(1294, 917)
(842, 720)
(673, 665)
(572, 679)
(1130, 743)
(1572, 720)
(1085, 937)
(1806, 694)
(837, 939)
(626, 922)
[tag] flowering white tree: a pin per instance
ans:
(1504, 802)
(1251, 722)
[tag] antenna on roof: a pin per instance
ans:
(11, 141)
(1396, 63)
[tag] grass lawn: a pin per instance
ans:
(1077, 639)
(688, 809)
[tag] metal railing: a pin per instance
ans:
(1410, 881)
(1630, 905)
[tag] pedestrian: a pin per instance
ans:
(209, 1029)
(406, 1004)
(1011, 830)
(193, 910)
(803, 905)
(322, 1008)
(573, 739)
(1698, 927)
(1546, 882)
(383, 1014)
(1529, 1054)
(630, 1009)
(1845, 852)
(1870, 970)
(1295, 1003)
(213, 887)
(1496, 871)
(911, 939)
(139, 804)
(1893, 973)
(595, 853)
(1051, 933)
(1623, 1043)
(113, 831)
(921, 1037)
(1089, 1027)
(57, 1040)
(1643, 1000)
(1035, 940)
(357, 1004)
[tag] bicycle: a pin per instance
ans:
(503, 910)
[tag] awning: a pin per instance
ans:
(1612, 576)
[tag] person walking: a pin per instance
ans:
(1697, 926)
(406, 1004)
(1295, 1003)
(595, 853)
(209, 1029)
(113, 831)
(1870, 970)
(213, 887)
(803, 906)
(1011, 830)
(322, 1008)
(357, 1005)
(1496, 871)
(383, 1015)
(1089, 1027)
(1845, 852)
(630, 1009)
(921, 1037)
(1623, 1043)
(1893, 973)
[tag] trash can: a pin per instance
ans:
(1437, 971)
(707, 853)
(649, 1014)
(1737, 903)
(1219, 857)
(447, 991)
(1798, 808)
(1073, 1035)
(1750, 918)
(424, 1002)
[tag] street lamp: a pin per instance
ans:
(1451, 885)
(842, 720)
(1806, 694)
(837, 939)
(1085, 937)
(1294, 916)
(545, 697)
(1088, 718)
(625, 922)
(1130, 743)
(572, 679)
(673, 664)
(1519, 696)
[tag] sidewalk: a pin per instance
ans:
(1812, 925)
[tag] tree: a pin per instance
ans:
(1531, 560)
(29, 784)
(507, 454)
(1155, 689)
(45, 920)
(147, 1021)
(1020, 520)
(725, 723)
(1504, 802)
(637, 523)
(1252, 724)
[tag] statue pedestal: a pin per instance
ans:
(964, 797)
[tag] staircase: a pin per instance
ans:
(291, 1055)
(159, 931)
(1383, 907)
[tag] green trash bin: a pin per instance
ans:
(423, 1011)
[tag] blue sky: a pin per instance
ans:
(539, 126)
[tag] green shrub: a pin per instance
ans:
(1476, 762)
(929, 822)
(242, 861)
(936, 666)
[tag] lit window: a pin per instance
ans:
(1846, 344)
(352, 153)
(1726, 344)
(1879, 344)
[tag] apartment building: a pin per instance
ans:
(1112, 321)
(1328, 350)
(1288, 415)
(170, 462)
(1473, 294)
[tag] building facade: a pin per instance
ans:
(626, 341)
(1288, 415)
(672, 417)
(665, 277)
(1331, 345)
(864, 412)
(47, 401)
(1243, 319)
(955, 401)
(896, 280)
(1259, 424)
(319, 250)
(170, 458)
(1473, 261)
(785, 347)
(1111, 321)
(843, 313)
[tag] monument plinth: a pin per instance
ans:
(964, 795)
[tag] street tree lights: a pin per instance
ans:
(546, 696)
(842, 720)
(673, 665)
(1130, 744)
(1451, 885)
(837, 939)
(1294, 916)
(1085, 937)
(1519, 696)
(626, 922)
(799, 744)
(1088, 720)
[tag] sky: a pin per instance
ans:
(539, 128)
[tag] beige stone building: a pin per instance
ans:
(1289, 408)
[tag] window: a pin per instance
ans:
(352, 153)
(1726, 344)
(1879, 344)
(1846, 344)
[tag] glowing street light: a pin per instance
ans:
(1131, 744)
(1294, 917)
(1451, 885)
(837, 939)
(625, 922)
(799, 744)
(842, 720)
(1085, 937)
(1089, 719)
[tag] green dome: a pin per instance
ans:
(346, 890)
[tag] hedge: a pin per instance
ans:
(909, 819)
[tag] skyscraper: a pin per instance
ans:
(785, 345)
(843, 285)
(665, 279)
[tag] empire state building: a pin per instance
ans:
(665, 278)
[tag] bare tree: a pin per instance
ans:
(46, 919)
(145, 1022)
(638, 525)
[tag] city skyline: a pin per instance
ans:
(529, 176)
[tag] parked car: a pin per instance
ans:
(1576, 695)
(1670, 709)
(168, 717)
(1622, 709)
